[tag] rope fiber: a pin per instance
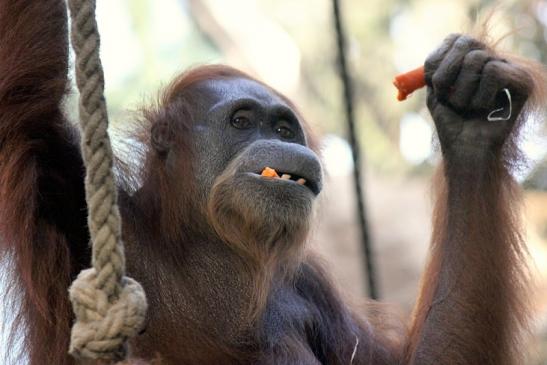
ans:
(109, 307)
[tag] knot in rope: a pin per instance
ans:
(109, 307)
(104, 324)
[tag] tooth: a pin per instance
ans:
(301, 181)
(285, 177)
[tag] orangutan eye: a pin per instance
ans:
(242, 119)
(284, 130)
(241, 123)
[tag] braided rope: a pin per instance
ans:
(109, 307)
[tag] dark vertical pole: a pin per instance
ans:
(350, 117)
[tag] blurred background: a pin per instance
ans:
(291, 45)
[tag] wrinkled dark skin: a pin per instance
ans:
(465, 82)
(217, 142)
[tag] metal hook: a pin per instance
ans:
(496, 119)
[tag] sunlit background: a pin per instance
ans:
(291, 45)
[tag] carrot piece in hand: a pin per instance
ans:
(269, 172)
(409, 81)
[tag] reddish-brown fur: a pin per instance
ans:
(40, 179)
(471, 310)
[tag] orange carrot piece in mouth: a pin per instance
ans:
(409, 81)
(269, 172)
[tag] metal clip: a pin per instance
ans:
(490, 116)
